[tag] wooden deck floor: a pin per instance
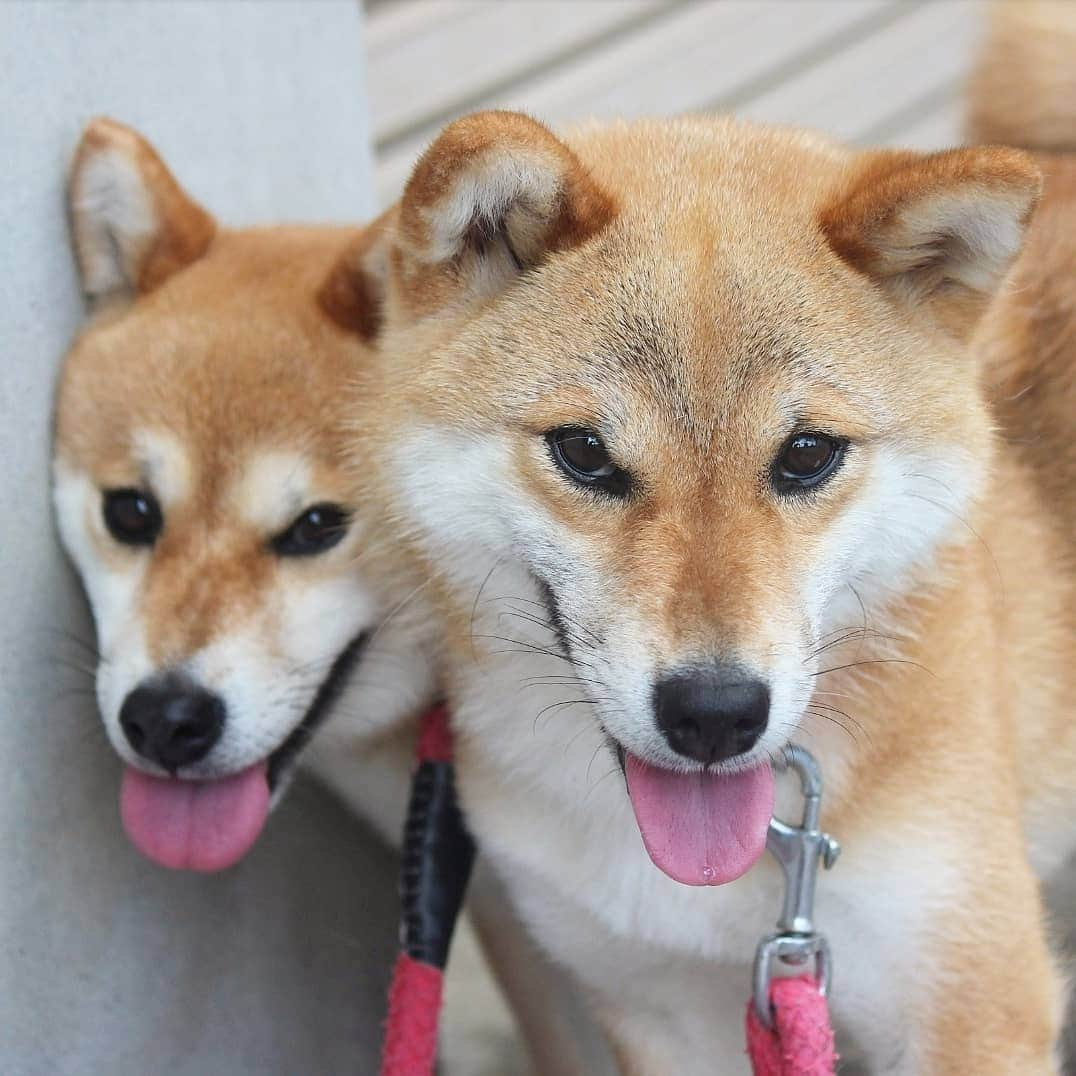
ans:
(879, 71)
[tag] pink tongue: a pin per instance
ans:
(701, 828)
(194, 825)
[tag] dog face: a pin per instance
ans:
(199, 479)
(704, 383)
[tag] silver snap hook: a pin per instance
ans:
(798, 849)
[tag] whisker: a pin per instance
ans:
(577, 643)
(569, 620)
(554, 706)
(73, 666)
(397, 609)
(568, 746)
(827, 717)
(960, 519)
(70, 637)
(532, 648)
(875, 661)
(553, 680)
(855, 721)
(474, 607)
(597, 750)
(604, 777)
(859, 635)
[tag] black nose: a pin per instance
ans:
(711, 713)
(172, 722)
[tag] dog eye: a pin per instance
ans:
(132, 516)
(319, 528)
(581, 454)
(806, 460)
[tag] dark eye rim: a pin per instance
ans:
(786, 482)
(154, 518)
(289, 543)
(618, 484)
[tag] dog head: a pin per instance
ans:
(200, 489)
(706, 383)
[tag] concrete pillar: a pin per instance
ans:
(108, 964)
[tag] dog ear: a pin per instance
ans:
(493, 196)
(936, 230)
(353, 294)
(133, 225)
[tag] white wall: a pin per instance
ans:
(108, 964)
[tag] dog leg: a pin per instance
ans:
(1002, 1012)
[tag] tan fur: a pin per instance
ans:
(1022, 90)
(744, 279)
(1031, 342)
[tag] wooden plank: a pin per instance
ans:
(939, 127)
(707, 51)
(444, 65)
(696, 56)
(882, 76)
(390, 23)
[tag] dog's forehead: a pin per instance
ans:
(188, 406)
(715, 259)
(193, 376)
(709, 333)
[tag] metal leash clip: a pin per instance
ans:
(798, 849)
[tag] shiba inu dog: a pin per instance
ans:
(200, 489)
(714, 436)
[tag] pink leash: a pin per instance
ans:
(800, 1043)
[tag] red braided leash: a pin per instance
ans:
(410, 1046)
(800, 1043)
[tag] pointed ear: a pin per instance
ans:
(353, 293)
(493, 196)
(133, 225)
(939, 230)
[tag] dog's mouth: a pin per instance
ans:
(282, 760)
(704, 827)
(209, 825)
